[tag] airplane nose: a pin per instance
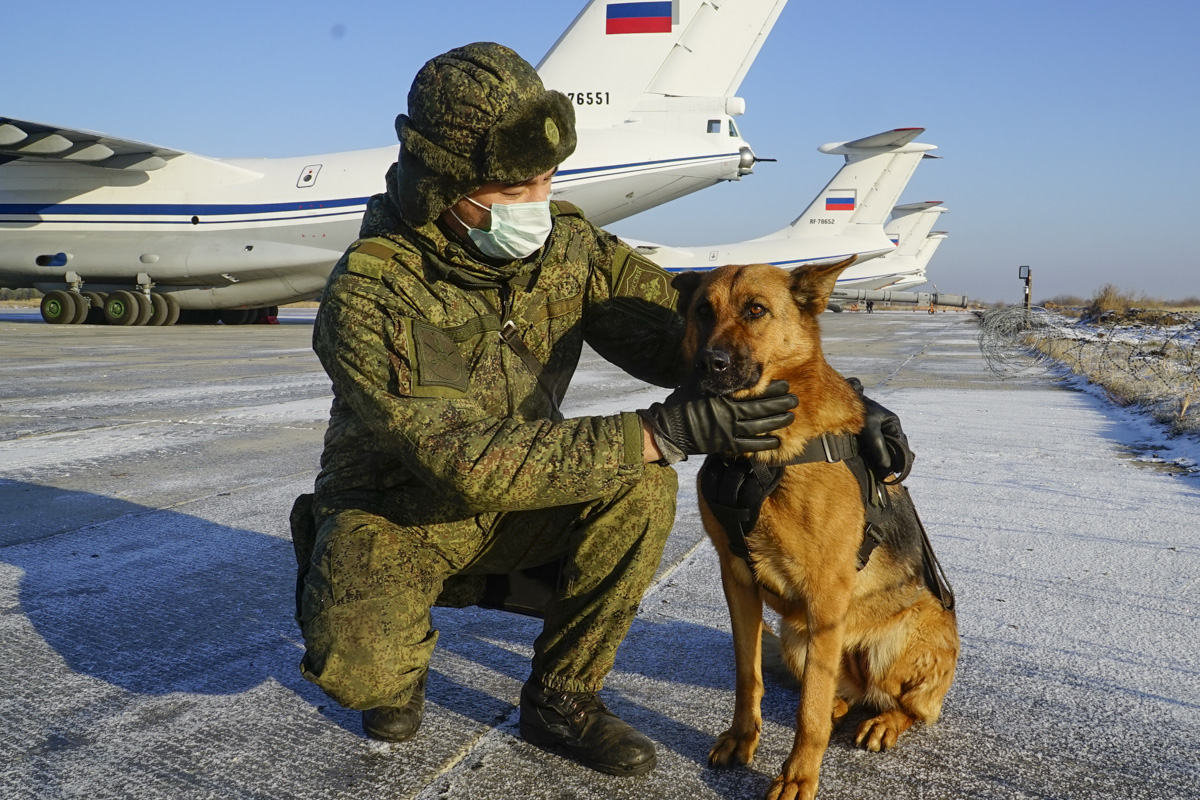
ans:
(713, 361)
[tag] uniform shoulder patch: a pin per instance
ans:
(563, 208)
(368, 259)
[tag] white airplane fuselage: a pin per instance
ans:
(226, 233)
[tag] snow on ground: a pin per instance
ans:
(146, 586)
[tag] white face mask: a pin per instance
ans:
(517, 230)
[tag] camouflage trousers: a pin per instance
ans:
(364, 595)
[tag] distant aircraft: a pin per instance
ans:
(846, 218)
(118, 230)
(910, 230)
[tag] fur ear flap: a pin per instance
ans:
(812, 286)
(686, 284)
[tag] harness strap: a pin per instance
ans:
(511, 337)
(935, 576)
(735, 489)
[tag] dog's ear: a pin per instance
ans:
(812, 286)
(686, 284)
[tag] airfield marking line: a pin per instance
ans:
(462, 754)
(69, 433)
(920, 352)
(654, 587)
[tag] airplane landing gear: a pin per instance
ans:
(58, 307)
(121, 308)
(95, 312)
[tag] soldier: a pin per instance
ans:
(450, 331)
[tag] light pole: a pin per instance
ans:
(1026, 274)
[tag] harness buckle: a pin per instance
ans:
(508, 331)
(828, 450)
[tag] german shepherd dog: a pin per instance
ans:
(876, 635)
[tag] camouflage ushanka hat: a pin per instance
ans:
(477, 114)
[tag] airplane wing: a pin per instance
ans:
(33, 141)
(651, 50)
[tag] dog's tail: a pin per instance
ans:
(772, 659)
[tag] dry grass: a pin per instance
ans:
(1160, 377)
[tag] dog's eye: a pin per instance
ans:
(704, 311)
(755, 310)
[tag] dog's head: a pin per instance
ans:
(748, 325)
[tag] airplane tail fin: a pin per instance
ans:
(911, 224)
(864, 191)
(649, 51)
(928, 246)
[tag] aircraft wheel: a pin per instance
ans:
(95, 313)
(158, 310)
(173, 309)
(58, 307)
(235, 316)
(81, 308)
(145, 308)
(121, 308)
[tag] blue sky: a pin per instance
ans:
(1068, 131)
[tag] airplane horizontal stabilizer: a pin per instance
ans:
(893, 138)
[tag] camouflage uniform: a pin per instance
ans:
(445, 459)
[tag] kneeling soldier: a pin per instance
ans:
(450, 331)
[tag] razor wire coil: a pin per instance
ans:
(1145, 357)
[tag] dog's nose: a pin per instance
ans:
(712, 361)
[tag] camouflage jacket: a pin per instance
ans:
(435, 417)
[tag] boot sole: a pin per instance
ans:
(551, 743)
(380, 736)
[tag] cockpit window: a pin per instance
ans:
(733, 131)
(714, 126)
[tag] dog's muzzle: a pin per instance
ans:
(719, 372)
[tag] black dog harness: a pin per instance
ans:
(735, 489)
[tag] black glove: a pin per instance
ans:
(720, 424)
(882, 442)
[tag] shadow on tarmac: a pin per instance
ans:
(158, 602)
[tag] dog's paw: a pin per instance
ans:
(732, 750)
(784, 789)
(881, 732)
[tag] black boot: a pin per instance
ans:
(397, 723)
(578, 724)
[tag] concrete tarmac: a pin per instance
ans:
(147, 577)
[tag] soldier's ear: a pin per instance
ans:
(686, 284)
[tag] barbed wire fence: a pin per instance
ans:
(1145, 358)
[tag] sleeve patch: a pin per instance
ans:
(645, 280)
(438, 361)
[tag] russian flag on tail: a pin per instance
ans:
(840, 201)
(654, 17)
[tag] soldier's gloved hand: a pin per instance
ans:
(882, 442)
(720, 424)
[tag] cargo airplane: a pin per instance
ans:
(116, 230)
(911, 230)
